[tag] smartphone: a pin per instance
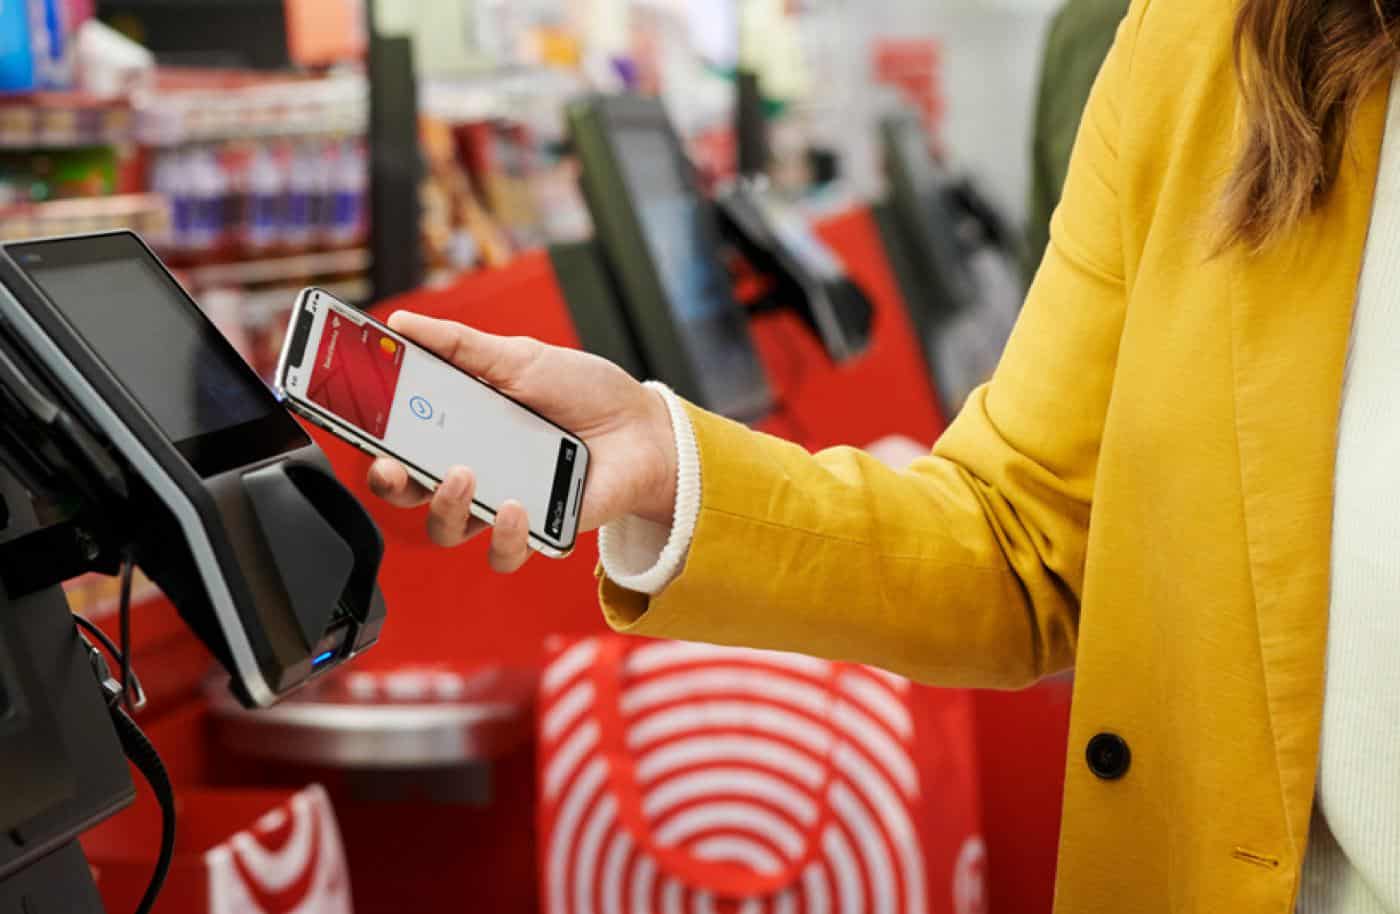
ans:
(348, 373)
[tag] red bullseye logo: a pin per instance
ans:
(684, 773)
(290, 861)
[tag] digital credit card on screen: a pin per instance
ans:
(356, 374)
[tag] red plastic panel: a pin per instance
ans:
(885, 391)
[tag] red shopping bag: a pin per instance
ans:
(680, 777)
(237, 852)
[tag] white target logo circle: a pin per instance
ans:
(291, 859)
(970, 878)
(748, 761)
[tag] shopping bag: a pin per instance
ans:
(677, 777)
(237, 852)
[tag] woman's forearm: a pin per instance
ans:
(838, 555)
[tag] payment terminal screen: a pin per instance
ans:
(155, 342)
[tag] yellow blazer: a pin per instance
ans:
(1143, 491)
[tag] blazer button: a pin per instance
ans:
(1108, 756)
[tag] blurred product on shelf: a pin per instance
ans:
(193, 106)
(508, 164)
(257, 166)
(458, 230)
(254, 198)
(35, 43)
(109, 64)
(147, 214)
(36, 177)
(47, 120)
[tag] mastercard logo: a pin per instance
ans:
(388, 346)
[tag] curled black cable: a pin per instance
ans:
(147, 761)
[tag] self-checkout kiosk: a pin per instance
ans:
(654, 289)
(955, 258)
(132, 434)
(659, 240)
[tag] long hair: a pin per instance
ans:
(1304, 66)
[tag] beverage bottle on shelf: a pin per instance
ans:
(167, 179)
(49, 31)
(206, 192)
(16, 48)
(323, 199)
(232, 161)
(265, 188)
(349, 177)
(304, 181)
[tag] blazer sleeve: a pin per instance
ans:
(967, 568)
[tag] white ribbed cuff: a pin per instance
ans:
(643, 556)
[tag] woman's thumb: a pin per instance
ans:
(498, 360)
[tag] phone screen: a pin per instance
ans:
(432, 416)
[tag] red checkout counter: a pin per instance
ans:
(467, 842)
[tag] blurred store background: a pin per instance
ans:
(235, 135)
(422, 153)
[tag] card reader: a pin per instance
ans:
(225, 501)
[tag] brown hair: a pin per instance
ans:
(1304, 66)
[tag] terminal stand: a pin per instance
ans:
(64, 768)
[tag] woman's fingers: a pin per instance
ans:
(450, 521)
(449, 515)
(498, 360)
(390, 481)
(510, 541)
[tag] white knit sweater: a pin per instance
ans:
(1353, 864)
(1353, 861)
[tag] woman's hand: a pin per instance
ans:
(627, 428)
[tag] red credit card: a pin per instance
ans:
(356, 373)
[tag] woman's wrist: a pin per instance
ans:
(657, 500)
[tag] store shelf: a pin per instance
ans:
(181, 113)
(147, 214)
(523, 95)
(278, 269)
(277, 301)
